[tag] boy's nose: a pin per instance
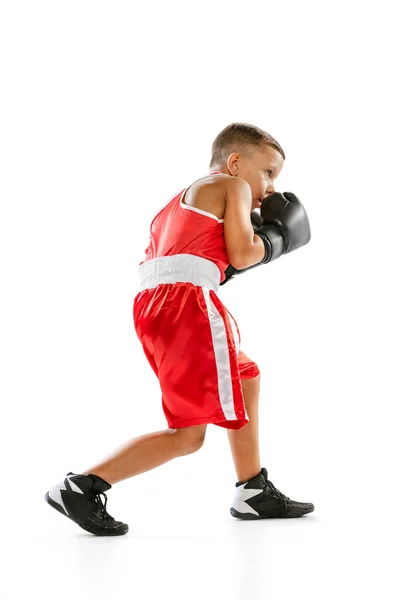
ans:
(270, 190)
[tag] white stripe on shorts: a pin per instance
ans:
(221, 350)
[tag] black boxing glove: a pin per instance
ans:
(256, 219)
(282, 225)
(285, 225)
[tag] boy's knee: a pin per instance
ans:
(190, 439)
(193, 446)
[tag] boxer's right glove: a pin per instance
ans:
(285, 225)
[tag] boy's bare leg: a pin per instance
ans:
(244, 441)
(147, 452)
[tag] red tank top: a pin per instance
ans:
(181, 229)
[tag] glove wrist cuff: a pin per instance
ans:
(273, 242)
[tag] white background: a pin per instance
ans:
(107, 110)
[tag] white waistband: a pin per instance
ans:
(179, 267)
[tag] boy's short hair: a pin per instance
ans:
(243, 138)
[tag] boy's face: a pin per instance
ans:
(260, 171)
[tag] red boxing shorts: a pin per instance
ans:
(192, 342)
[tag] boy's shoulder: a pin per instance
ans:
(208, 194)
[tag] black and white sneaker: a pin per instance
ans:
(258, 498)
(78, 498)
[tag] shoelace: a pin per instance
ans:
(275, 492)
(102, 507)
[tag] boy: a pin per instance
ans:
(204, 236)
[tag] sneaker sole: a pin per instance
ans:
(87, 528)
(250, 517)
